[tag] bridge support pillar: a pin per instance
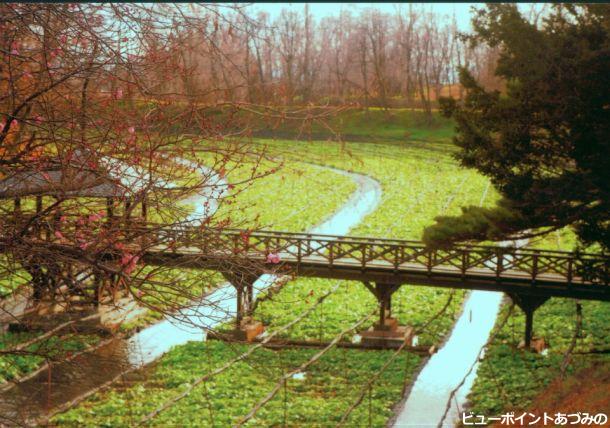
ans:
(243, 282)
(383, 294)
(386, 333)
(528, 305)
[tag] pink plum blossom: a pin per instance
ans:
(273, 258)
(95, 217)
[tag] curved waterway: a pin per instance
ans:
(450, 368)
(58, 386)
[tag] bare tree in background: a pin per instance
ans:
(406, 58)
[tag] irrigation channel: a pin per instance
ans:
(449, 374)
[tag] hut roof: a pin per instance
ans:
(69, 182)
(111, 178)
(76, 177)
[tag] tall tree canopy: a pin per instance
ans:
(543, 141)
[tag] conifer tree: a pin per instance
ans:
(544, 140)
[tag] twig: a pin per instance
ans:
(368, 385)
(48, 334)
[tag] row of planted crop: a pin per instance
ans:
(419, 182)
(510, 379)
(287, 191)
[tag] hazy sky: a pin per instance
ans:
(319, 10)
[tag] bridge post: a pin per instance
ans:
(243, 282)
(528, 305)
(387, 333)
(383, 293)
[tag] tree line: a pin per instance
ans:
(408, 58)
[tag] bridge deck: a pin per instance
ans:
(512, 270)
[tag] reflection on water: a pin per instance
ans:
(66, 381)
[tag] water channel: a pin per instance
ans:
(450, 368)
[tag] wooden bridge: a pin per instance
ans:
(529, 276)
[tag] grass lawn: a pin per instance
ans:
(372, 125)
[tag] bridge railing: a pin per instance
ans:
(521, 263)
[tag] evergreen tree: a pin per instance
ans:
(543, 141)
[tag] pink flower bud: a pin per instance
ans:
(273, 258)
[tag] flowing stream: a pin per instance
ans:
(62, 383)
(426, 403)
(445, 370)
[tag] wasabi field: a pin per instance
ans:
(419, 180)
(304, 215)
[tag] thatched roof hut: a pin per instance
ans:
(110, 180)
(67, 182)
